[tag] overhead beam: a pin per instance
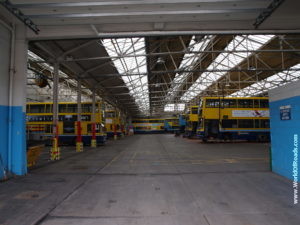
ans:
(169, 53)
(267, 12)
(122, 3)
(83, 31)
(153, 13)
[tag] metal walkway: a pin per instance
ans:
(153, 180)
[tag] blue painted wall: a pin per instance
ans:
(3, 138)
(18, 156)
(282, 135)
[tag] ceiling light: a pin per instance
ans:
(160, 60)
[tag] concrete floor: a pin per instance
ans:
(153, 180)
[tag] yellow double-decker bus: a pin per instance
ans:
(234, 118)
(39, 122)
(144, 125)
(113, 123)
(192, 119)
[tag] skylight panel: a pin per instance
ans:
(188, 62)
(276, 80)
(227, 61)
(174, 107)
(126, 56)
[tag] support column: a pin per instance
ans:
(55, 150)
(6, 40)
(94, 139)
(115, 125)
(79, 144)
(17, 105)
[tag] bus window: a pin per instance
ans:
(72, 108)
(195, 110)
(225, 103)
(48, 108)
(229, 103)
(245, 103)
(256, 123)
(212, 103)
(264, 103)
(265, 123)
(37, 108)
(86, 108)
(62, 108)
(246, 123)
(255, 103)
(229, 123)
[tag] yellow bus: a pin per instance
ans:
(113, 123)
(234, 118)
(39, 122)
(192, 119)
(144, 125)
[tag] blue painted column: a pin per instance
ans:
(285, 128)
(13, 77)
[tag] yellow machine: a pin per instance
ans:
(113, 123)
(39, 122)
(143, 125)
(234, 118)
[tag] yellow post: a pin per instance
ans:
(79, 147)
(55, 150)
(94, 143)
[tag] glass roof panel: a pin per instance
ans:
(174, 107)
(226, 61)
(126, 56)
(189, 61)
(276, 80)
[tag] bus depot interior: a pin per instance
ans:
(149, 112)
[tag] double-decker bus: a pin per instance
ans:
(39, 122)
(192, 119)
(234, 118)
(154, 125)
(113, 123)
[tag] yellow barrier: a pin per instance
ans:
(33, 154)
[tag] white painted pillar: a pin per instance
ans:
(55, 150)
